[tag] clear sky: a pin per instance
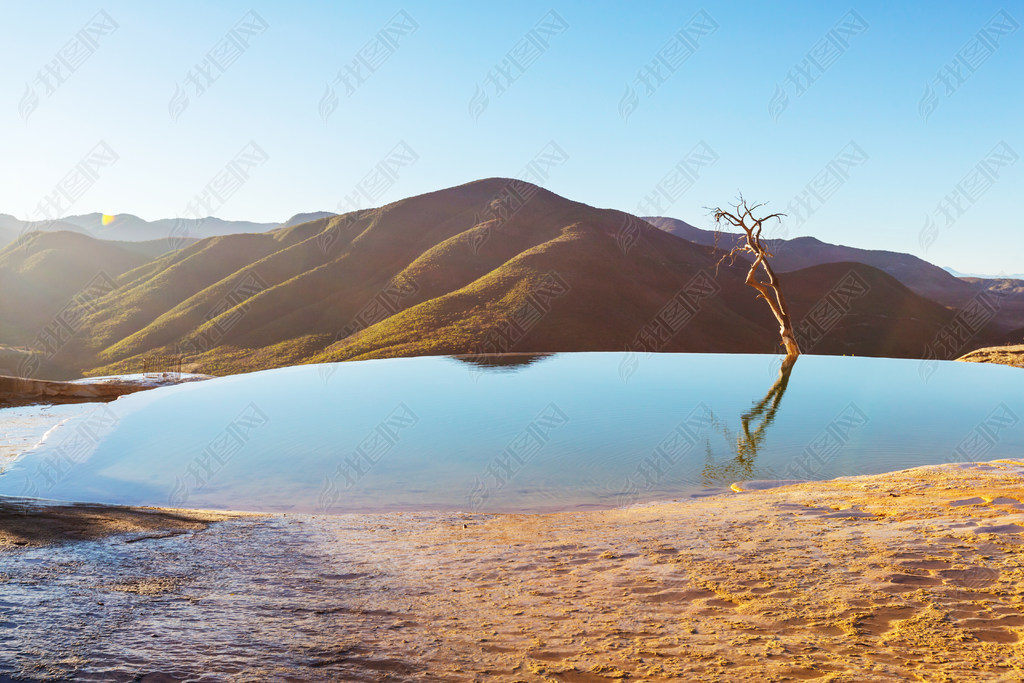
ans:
(770, 97)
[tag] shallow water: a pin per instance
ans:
(568, 431)
(247, 600)
(23, 427)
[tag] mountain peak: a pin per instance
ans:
(496, 265)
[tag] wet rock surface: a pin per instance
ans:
(914, 574)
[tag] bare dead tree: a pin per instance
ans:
(768, 288)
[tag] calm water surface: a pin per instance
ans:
(568, 431)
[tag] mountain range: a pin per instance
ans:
(920, 276)
(957, 273)
(178, 232)
(494, 266)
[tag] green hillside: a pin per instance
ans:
(493, 266)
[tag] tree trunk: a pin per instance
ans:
(778, 304)
(770, 291)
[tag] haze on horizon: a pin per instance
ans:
(878, 127)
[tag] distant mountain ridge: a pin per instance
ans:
(978, 276)
(128, 228)
(920, 276)
(493, 266)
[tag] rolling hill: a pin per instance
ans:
(493, 266)
(1011, 286)
(922, 277)
(47, 270)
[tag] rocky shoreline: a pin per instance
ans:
(15, 391)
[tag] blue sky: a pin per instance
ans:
(942, 185)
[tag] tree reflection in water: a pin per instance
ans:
(751, 437)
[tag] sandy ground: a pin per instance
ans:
(911, 576)
(1006, 355)
(915, 575)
